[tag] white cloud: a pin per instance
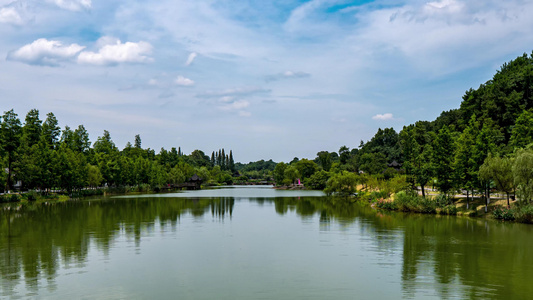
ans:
(74, 5)
(191, 58)
(10, 15)
(236, 106)
(118, 52)
(287, 75)
(234, 93)
(45, 52)
(383, 117)
(183, 81)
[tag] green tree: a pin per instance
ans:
(443, 157)
(306, 168)
(344, 155)
(523, 174)
(324, 160)
(279, 173)
(499, 170)
(94, 177)
(343, 184)
(50, 131)
(373, 163)
(465, 166)
(291, 174)
(522, 132)
(10, 132)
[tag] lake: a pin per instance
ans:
(255, 243)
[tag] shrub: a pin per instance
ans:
(31, 196)
(503, 213)
(443, 200)
(448, 210)
(384, 204)
(10, 198)
(410, 201)
(524, 214)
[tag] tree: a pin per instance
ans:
(522, 132)
(26, 166)
(500, 170)
(464, 164)
(291, 174)
(324, 160)
(343, 184)
(94, 177)
(306, 167)
(10, 132)
(138, 141)
(279, 172)
(443, 157)
(50, 131)
(344, 155)
(523, 174)
(231, 162)
(81, 139)
(318, 180)
(423, 168)
(373, 163)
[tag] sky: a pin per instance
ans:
(266, 79)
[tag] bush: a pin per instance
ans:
(384, 204)
(410, 201)
(443, 200)
(31, 196)
(10, 198)
(448, 210)
(503, 213)
(524, 214)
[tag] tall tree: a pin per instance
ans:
(443, 157)
(10, 131)
(137, 141)
(51, 131)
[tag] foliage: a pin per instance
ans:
(523, 174)
(524, 214)
(342, 184)
(318, 180)
(412, 202)
(503, 213)
(386, 204)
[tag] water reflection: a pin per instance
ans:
(446, 257)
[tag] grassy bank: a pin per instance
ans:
(440, 204)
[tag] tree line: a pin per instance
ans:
(41, 156)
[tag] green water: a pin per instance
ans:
(255, 243)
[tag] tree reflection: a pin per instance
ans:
(37, 240)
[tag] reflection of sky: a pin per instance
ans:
(236, 192)
(267, 79)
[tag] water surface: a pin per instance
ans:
(255, 243)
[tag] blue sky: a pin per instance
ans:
(267, 79)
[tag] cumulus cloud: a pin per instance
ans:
(287, 75)
(45, 52)
(10, 15)
(191, 58)
(183, 81)
(117, 52)
(383, 117)
(73, 5)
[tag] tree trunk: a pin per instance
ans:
(467, 204)
(508, 203)
(423, 191)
